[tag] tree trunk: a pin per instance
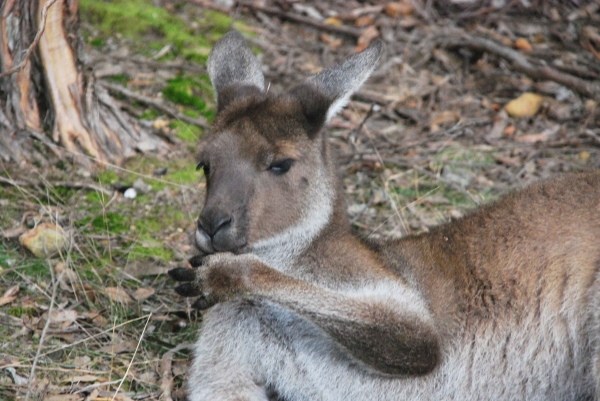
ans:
(53, 92)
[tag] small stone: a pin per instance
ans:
(141, 186)
(130, 193)
(160, 172)
(460, 176)
(46, 239)
(526, 105)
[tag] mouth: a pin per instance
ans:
(208, 246)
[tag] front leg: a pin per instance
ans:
(386, 326)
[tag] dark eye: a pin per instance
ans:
(281, 167)
(204, 167)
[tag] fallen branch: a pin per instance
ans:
(63, 184)
(36, 40)
(156, 104)
(521, 63)
(343, 30)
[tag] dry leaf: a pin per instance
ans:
(118, 294)
(363, 21)
(500, 122)
(62, 317)
(332, 41)
(584, 155)
(532, 138)
(399, 9)
(526, 105)
(510, 130)
(44, 240)
(333, 21)
(523, 44)
(9, 295)
(509, 161)
(366, 37)
(13, 232)
(443, 117)
(409, 22)
(143, 293)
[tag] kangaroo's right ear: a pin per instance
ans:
(231, 62)
(325, 94)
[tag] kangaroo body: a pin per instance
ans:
(501, 305)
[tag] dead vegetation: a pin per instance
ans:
(427, 139)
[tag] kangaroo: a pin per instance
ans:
(503, 304)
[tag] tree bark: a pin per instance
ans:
(54, 92)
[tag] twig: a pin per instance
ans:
(73, 185)
(55, 281)
(157, 104)
(82, 185)
(132, 358)
(521, 63)
(30, 49)
(343, 30)
(593, 135)
(87, 389)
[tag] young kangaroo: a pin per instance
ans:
(501, 305)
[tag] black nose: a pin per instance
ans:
(213, 222)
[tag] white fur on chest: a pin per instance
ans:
(283, 249)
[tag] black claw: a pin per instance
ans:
(202, 303)
(188, 290)
(197, 261)
(182, 274)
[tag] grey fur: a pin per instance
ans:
(232, 62)
(339, 82)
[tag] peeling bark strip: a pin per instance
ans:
(87, 122)
(64, 82)
(521, 63)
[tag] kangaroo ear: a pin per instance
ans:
(325, 94)
(231, 62)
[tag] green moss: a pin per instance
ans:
(191, 92)
(187, 132)
(107, 177)
(140, 20)
(19, 311)
(149, 114)
(150, 249)
(97, 42)
(110, 222)
(186, 175)
(36, 268)
(119, 79)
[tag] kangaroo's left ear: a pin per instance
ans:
(231, 63)
(325, 94)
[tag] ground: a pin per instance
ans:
(426, 140)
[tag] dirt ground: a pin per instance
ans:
(429, 137)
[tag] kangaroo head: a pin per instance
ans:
(270, 184)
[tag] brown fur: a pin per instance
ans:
(395, 307)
